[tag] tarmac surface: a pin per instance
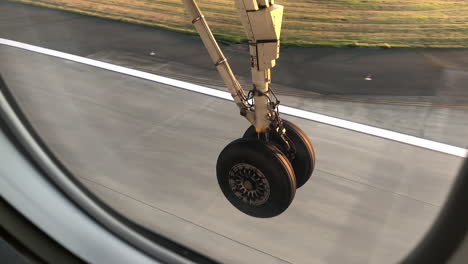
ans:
(417, 92)
(437, 76)
(149, 151)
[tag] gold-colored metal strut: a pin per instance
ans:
(262, 23)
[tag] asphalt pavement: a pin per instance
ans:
(149, 150)
(437, 76)
(417, 92)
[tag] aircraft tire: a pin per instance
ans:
(256, 178)
(303, 160)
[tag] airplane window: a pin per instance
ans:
(356, 119)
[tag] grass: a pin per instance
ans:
(307, 23)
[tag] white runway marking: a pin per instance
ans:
(383, 133)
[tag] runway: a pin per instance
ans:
(149, 150)
(419, 92)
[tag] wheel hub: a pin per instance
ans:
(249, 184)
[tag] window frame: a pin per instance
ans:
(16, 127)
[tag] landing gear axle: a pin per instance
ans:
(300, 154)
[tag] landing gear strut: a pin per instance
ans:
(258, 173)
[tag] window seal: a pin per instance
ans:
(20, 131)
(448, 232)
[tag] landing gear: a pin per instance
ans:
(258, 173)
(300, 152)
(256, 177)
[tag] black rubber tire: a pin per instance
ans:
(273, 165)
(304, 161)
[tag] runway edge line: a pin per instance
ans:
(341, 123)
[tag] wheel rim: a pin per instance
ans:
(249, 184)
